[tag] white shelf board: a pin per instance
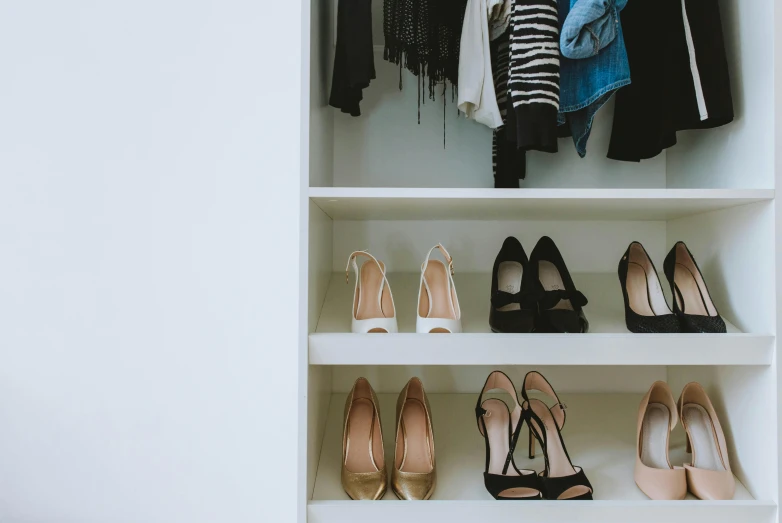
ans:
(600, 437)
(608, 343)
(545, 511)
(354, 203)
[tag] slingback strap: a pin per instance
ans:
(536, 381)
(496, 484)
(553, 488)
(352, 262)
(498, 380)
(445, 254)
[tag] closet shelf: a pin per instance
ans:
(356, 203)
(548, 511)
(541, 349)
(607, 343)
(599, 434)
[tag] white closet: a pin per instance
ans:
(384, 183)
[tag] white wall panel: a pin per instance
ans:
(149, 180)
(470, 379)
(321, 115)
(586, 246)
(385, 146)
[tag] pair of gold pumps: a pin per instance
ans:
(364, 476)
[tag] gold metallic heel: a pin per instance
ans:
(363, 462)
(414, 475)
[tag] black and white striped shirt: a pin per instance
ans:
(533, 80)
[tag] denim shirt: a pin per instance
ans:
(593, 64)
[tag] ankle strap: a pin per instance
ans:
(535, 381)
(497, 380)
(445, 254)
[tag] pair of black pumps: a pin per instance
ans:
(534, 294)
(646, 309)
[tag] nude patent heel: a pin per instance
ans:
(654, 475)
(708, 475)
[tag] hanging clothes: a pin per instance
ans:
(509, 164)
(680, 76)
(593, 65)
(354, 60)
(534, 75)
(423, 36)
(477, 98)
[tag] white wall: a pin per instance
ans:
(149, 176)
(586, 246)
(385, 146)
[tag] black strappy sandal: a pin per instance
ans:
(548, 281)
(561, 480)
(500, 429)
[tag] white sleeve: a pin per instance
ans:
(471, 66)
(477, 98)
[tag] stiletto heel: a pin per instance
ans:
(654, 475)
(646, 310)
(692, 302)
(708, 475)
(438, 305)
(373, 303)
(500, 429)
(531, 453)
(560, 480)
(688, 449)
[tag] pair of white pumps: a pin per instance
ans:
(373, 303)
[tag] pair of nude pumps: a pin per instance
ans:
(373, 304)
(414, 475)
(708, 476)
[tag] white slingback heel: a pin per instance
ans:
(438, 305)
(373, 303)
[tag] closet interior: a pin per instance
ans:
(386, 184)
